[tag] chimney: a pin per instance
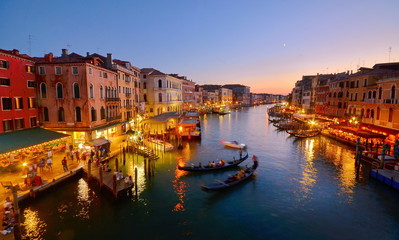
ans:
(64, 52)
(48, 57)
(87, 54)
(108, 62)
(15, 51)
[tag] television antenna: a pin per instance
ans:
(389, 54)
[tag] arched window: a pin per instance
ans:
(159, 83)
(393, 92)
(372, 113)
(367, 113)
(76, 90)
(78, 114)
(45, 114)
(160, 97)
(380, 93)
(369, 95)
(374, 94)
(101, 92)
(91, 91)
(60, 92)
(144, 85)
(93, 114)
(102, 113)
(390, 116)
(335, 95)
(43, 90)
(378, 113)
(145, 97)
(61, 115)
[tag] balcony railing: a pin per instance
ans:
(118, 117)
(112, 99)
(391, 101)
(128, 106)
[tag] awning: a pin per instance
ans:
(27, 138)
(106, 126)
(358, 132)
(379, 129)
(99, 142)
(188, 121)
(162, 118)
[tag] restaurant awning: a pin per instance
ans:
(107, 126)
(379, 129)
(162, 118)
(358, 132)
(27, 138)
(188, 122)
(99, 142)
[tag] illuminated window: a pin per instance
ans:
(19, 103)
(32, 102)
(19, 123)
(30, 69)
(8, 125)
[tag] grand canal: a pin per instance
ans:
(303, 189)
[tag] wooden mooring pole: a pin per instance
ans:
(17, 223)
(135, 180)
(117, 164)
(101, 176)
(89, 169)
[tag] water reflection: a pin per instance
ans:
(84, 199)
(309, 172)
(179, 186)
(34, 226)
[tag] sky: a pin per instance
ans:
(266, 45)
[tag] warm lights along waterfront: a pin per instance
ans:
(303, 189)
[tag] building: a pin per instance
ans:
(188, 90)
(18, 95)
(225, 96)
(78, 96)
(241, 94)
(337, 101)
(161, 92)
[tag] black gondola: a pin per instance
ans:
(208, 168)
(228, 183)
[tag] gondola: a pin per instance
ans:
(305, 134)
(233, 144)
(226, 184)
(207, 168)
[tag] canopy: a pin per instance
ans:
(27, 138)
(358, 132)
(162, 118)
(99, 142)
(188, 121)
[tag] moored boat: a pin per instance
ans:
(306, 133)
(233, 144)
(200, 168)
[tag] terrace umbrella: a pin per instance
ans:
(396, 149)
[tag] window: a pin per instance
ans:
(19, 123)
(90, 71)
(159, 83)
(8, 125)
(32, 102)
(390, 116)
(61, 115)
(45, 114)
(58, 70)
(31, 84)
(105, 75)
(6, 103)
(151, 110)
(78, 114)
(4, 64)
(42, 70)
(380, 93)
(160, 97)
(144, 76)
(101, 74)
(101, 92)
(144, 85)
(75, 70)
(18, 103)
(393, 92)
(43, 90)
(102, 113)
(378, 113)
(76, 90)
(30, 69)
(372, 113)
(93, 115)
(5, 82)
(145, 97)
(33, 122)
(60, 92)
(91, 91)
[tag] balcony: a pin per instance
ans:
(112, 99)
(391, 101)
(128, 95)
(128, 106)
(370, 100)
(118, 117)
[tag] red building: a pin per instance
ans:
(17, 91)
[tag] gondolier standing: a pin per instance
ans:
(255, 159)
(240, 152)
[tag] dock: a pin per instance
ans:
(387, 176)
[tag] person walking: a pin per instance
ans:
(49, 164)
(65, 164)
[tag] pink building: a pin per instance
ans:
(78, 96)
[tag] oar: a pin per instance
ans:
(221, 182)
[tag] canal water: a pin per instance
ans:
(303, 189)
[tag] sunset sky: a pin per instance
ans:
(267, 45)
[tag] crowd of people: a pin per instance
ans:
(8, 217)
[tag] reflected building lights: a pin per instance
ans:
(33, 225)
